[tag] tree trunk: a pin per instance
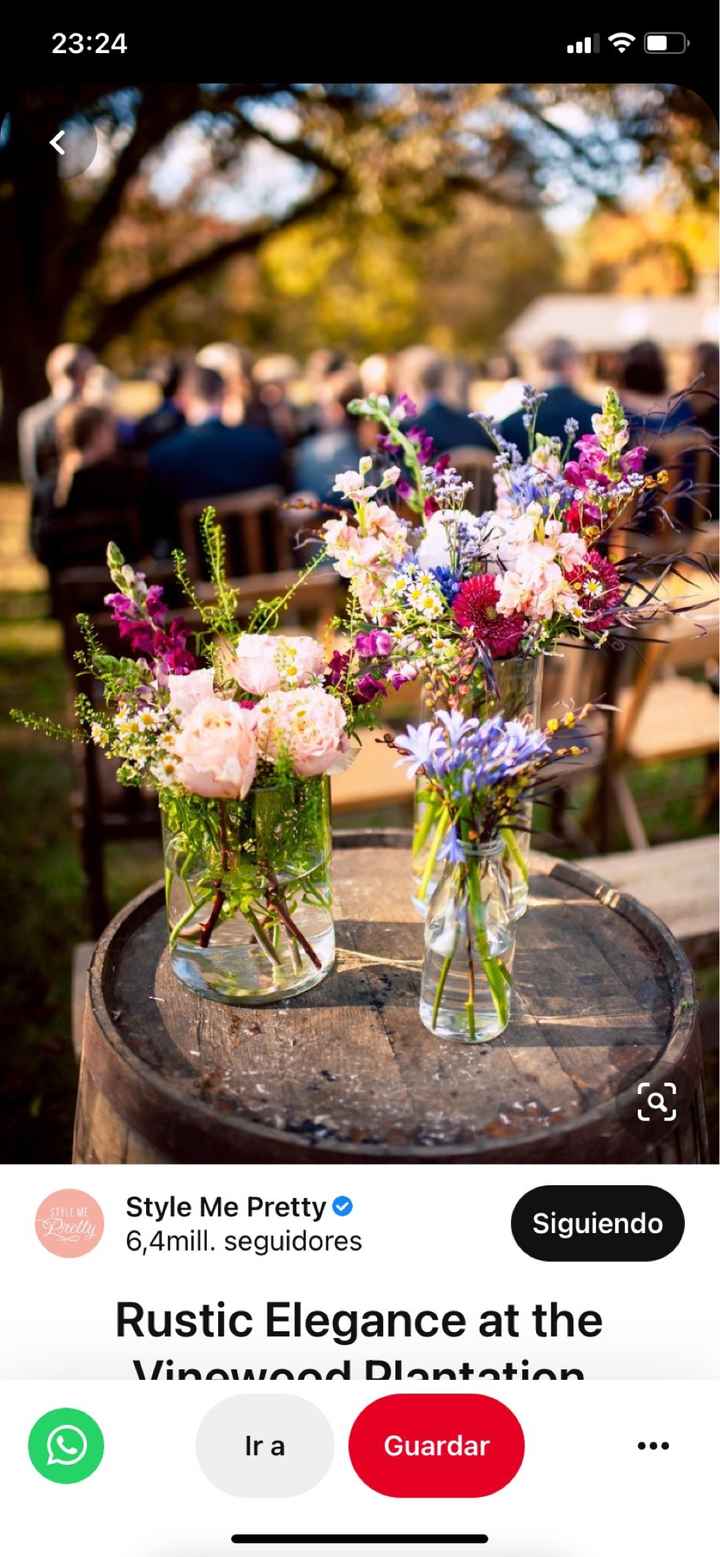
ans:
(32, 303)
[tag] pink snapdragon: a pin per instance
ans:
(141, 617)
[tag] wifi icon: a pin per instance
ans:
(621, 41)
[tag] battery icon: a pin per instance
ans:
(665, 43)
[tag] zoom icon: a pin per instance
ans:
(654, 1099)
(658, 1106)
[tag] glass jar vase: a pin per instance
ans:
(248, 891)
(469, 948)
(519, 684)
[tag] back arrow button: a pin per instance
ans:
(55, 143)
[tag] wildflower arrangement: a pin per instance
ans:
(478, 774)
(236, 732)
(453, 592)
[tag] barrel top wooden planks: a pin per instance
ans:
(603, 999)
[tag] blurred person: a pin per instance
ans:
(207, 458)
(644, 391)
(272, 377)
(503, 389)
(422, 375)
(321, 366)
(168, 417)
(100, 386)
(234, 365)
(560, 366)
(337, 446)
(95, 495)
(375, 375)
(704, 399)
(66, 369)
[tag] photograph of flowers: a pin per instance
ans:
(370, 654)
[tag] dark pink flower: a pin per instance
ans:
(404, 406)
(337, 669)
(368, 687)
(373, 645)
(475, 606)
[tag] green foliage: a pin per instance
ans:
(222, 615)
(42, 725)
(266, 614)
(261, 857)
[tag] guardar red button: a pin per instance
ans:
(436, 1446)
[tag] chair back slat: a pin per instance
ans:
(249, 521)
(476, 465)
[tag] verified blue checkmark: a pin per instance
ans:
(342, 1205)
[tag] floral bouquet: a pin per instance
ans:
(472, 603)
(459, 591)
(237, 733)
(478, 775)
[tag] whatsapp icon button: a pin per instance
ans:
(66, 1445)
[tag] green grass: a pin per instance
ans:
(43, 898)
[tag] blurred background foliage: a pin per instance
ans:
(285, 215)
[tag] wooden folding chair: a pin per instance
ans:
(312, 607)
(665, 715)
(476, 465)
(250, 524)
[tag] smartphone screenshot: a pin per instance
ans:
(359, 620)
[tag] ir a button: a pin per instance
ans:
(436, 1446)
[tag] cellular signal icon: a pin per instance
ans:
(589, 45)
(621, 40)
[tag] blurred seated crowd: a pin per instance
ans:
(223, 423)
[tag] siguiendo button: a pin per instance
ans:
(598, 1222)
(436, 1446)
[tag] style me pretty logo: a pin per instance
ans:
(69, 1223)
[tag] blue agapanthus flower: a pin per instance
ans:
(457, 751)
(452, 849)
(419, 742)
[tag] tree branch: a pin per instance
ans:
(157, 115)
(296, 147)
(119, 314)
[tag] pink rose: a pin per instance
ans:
(264, 662)
(216, 749)
(307, 725)
(187, 691)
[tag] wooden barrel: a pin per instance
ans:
(603, 999)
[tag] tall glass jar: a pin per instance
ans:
(519, 683)
(249, 899)
(469, 948)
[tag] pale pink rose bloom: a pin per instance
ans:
(216, 748)
(308, 726)
(264, 662)
(187, 691)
